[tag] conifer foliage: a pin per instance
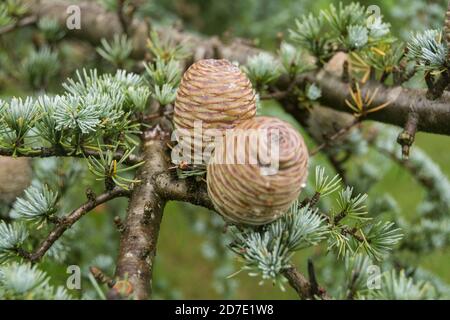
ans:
(98, 120)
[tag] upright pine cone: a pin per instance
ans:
(242, 192)
(216, 93)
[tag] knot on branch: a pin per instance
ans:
(407, 136)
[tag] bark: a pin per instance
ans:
(432, 115)
(141, 227)
(188, 190)
(97, 23)
(302, 285)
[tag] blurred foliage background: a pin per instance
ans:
(191, 251)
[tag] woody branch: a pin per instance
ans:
(96, 23)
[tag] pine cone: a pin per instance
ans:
(15, 177)
(244, 193)
(215, 92)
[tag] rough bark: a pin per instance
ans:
(188, 190)
(302, 285)
(141, 226)
(433, 115)
(97, 23)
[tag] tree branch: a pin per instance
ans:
(408, 165)
(122, 16)
(302, 286)
(53, 152)
(141, 227)
(187, 190)
(24, 22)
(101, 277)
(432, 115)
(338, 134)
(97, 23)
(407, 136)
(66, 222)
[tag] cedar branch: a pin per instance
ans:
(97, 23)
(66, 222)
(54, 152)
(141, 226)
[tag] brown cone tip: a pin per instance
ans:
(242, 192)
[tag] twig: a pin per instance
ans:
(338, 164)
(352, 232)
(18, 24)
(413, 169)
(345, 230)
(101, 277)
(156, 115)
(346, 72)
(119, 224)
(121, 14)
(302, 286)
(408, 165)
(436, 87)
(337, 218)
(352, 285)
(311, 202)
(276, 95)
(69, 220)
(54, 152)
(344, 130)
(279, 95)
(313, 279)
(406, 137)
